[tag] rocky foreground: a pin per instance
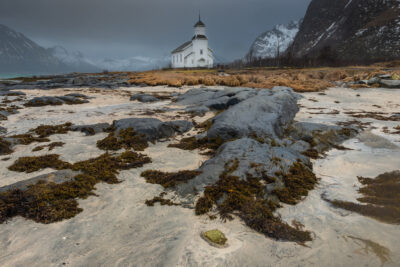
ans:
(139, 175)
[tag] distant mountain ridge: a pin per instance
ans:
(275, 41)
(19, 54)
(75, 61)
(353, 29)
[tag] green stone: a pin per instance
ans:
(216, 236)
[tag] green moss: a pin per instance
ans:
(32, 164)
(126, 138)
(47, 202)
(216, 237)
(168, 179)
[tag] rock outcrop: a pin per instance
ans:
(267, 113)
(258, 132)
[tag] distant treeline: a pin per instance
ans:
(327, 57)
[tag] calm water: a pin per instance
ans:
(10, 76)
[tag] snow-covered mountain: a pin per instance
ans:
(75, 60)
(19, 54)
(274, 41)
(352, 29)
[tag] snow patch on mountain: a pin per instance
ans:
(275, 41)
(74, 59)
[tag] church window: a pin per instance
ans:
(201, 51)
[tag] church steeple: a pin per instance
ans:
(199, 23)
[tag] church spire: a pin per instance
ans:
(199, 23)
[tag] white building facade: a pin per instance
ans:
(195, 53)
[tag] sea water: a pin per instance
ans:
(13, 75)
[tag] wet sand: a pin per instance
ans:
(116, 228)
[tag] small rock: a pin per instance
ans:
(145, 98)
(390, 83)
(215, 238)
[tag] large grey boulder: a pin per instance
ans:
(55, 100)
(254, 158)
(267, 113)
(153, 129)
(145, 98)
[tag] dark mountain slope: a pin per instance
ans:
(360, 30)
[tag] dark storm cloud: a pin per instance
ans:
(123, 28)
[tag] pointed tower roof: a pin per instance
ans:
(199, 23)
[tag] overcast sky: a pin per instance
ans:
(151, 28)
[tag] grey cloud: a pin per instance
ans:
(124, 28)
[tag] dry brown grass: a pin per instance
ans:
(301, 80)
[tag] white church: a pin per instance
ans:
(195, 53)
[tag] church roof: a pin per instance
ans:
(199, 24)
(200, 36)
(182, 47)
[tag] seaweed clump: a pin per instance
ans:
(50, 146)
(298, 181)
(167, 179)
(380, 200)
(160, 199)
(5, 147)
(46, 130)
(125, 138)
(32, 164)
(26, 139)
(48, 202)
(191, 143)
(246, 199)
(41, 133)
